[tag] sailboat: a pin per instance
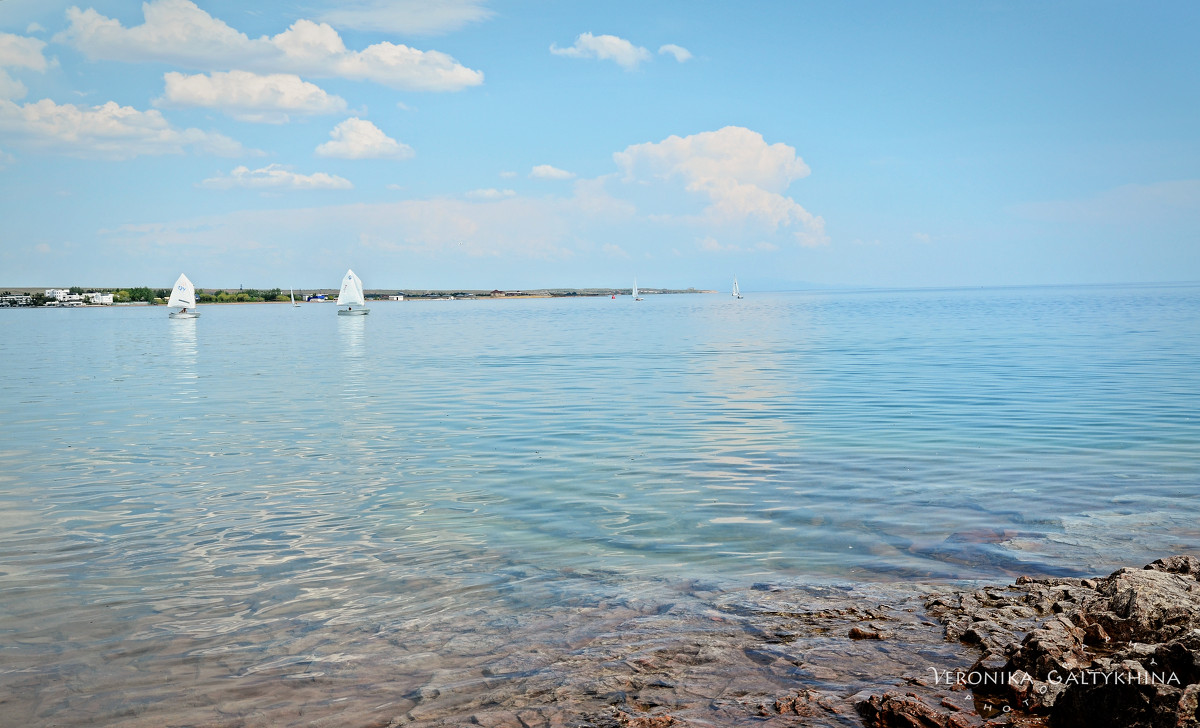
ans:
(737, 292)
(351, 296)
(635, 290)
(183, 297)
(292, 293)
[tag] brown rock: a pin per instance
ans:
(1057, 646)
(1181, 564)
(893, 710)
(865, 633)
(1146, 605)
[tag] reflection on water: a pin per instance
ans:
(280, 504)
(183, 354)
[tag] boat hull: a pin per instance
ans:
(354, 312)
(183, 315)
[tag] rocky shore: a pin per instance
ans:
(1122, 651)
(1117, 651)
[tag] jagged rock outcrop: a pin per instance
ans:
(1118, 652)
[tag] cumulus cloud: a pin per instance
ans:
(20, 52)
(407, 17)
(545, 171)
(357, 138)
(490, 194)
(109, 131)
(742, 177)
(606, 48)
(10, 88)
(276, 176)
(179, 32)
(681, 54)
(248, 96)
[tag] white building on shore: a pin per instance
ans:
(64, 297)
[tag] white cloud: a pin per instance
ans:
(276, 176)
(922, 237)
(20, 52)
(615, 251)
(605, 47)
(490, 194)
(179, 32)
(742, 177)
(508, 174)
(34, 28)
(357, 138)
(407, 17)
(11, 88)
(250, 97)
(108, 131)
(545, 171)
(681, 54)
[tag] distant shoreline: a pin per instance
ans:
(416, 293)
(20, 297)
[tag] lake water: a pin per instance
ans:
(194, 513)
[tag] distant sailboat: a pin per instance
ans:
(351, 296)
(292, 293)
(635, 290)
(183, 297)
(737, 292)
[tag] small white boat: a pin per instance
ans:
(292, 293)
(351, 296)
(737, 292)
(635, 290)
(183, 297)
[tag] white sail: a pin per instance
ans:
(352, 291)
(184, 294)
(635, 287)
(737, 292)
(292, 293)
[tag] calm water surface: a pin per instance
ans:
(270, 492)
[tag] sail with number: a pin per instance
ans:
(183, 299)
(183, 295)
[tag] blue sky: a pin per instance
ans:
(484, 143)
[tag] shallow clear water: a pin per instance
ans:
(269, 486)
